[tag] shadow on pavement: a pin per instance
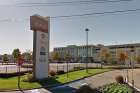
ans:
(63, 89)
(48, 82)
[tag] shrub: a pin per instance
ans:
(113, 62)
(8, 75)
(116, 88)
(87, 89)
(52, 73)
(29, 78)
(60, 72)
(119, 79)
(27, 66)
(78, 68)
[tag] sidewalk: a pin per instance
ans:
(30, 91)
(136, 77)
(99, 80)
(94, 82)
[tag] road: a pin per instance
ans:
(11, 68)
(53, 66)
(63, 66)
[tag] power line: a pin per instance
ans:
(31, 4)
(70, 3)
(98, 13)
(76, 15)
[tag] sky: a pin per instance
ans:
(108, 29)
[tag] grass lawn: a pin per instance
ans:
(79, 74)
(11, 83)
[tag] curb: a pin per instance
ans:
(137, 89)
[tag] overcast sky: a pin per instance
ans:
(105, 29)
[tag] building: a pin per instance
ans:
(76, 52)
(80, 52)
(70, 50)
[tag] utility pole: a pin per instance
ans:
(132, 66)
(87, 30)
(127, 66)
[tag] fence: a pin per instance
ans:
(63, 66)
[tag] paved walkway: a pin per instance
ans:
(99, 80)
(136, 77)
(94, 81)
(30, 91)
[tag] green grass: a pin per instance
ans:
(11, 83)
(116, 88)
(79, 74)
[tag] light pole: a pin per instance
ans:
(127, 66)
(87, 30)
(67, 59)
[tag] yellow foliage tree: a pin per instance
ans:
(105, 54)
(122, 56)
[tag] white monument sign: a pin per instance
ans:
(40, 26)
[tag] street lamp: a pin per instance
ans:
(87, 30)
(127, 66)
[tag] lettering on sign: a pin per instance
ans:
(39, 23)
(42, 51)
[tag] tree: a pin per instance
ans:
(138, 59)
(5, 58)
(67, 58)
(105, 54)
(113, 60)
(27, 56)
(16, 54)
(122, 56)
(56, 56)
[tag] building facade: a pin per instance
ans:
(76, 52)
(80, 52)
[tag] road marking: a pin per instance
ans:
(35, 91)
(84, 84)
